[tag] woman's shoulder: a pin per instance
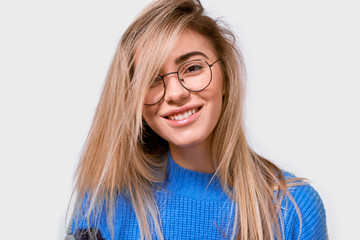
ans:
(307, 215)
(302, 191)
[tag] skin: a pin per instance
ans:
(189, 142)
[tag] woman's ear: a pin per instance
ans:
(223, 89)
(224, 81)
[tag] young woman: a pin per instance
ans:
(167, 157)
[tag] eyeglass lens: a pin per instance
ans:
(194, 75)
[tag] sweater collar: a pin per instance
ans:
(192, 184)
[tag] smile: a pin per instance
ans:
(184, 115)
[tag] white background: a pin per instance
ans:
(302, 106)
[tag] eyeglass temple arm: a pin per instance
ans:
(214, 62)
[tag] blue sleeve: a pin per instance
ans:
(79, 218)
(312, 212)
(80, 223)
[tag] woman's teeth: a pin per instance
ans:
(181, 116)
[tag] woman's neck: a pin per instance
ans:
(196, 158)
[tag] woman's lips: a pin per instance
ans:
(184, 115)
(184, 118)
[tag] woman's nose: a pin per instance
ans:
(174, 91)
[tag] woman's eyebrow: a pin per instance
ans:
(186, 56)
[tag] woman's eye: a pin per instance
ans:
(157, 81)
(193, 68)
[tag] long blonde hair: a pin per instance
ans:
(122, 155)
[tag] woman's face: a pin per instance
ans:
(185, 118)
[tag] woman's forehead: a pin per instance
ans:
(191, 44)
(186, 45)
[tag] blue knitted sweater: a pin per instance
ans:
(191, 208)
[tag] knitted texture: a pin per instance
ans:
(192, 205)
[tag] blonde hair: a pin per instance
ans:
(122, 155)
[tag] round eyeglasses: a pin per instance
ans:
(194, 76)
